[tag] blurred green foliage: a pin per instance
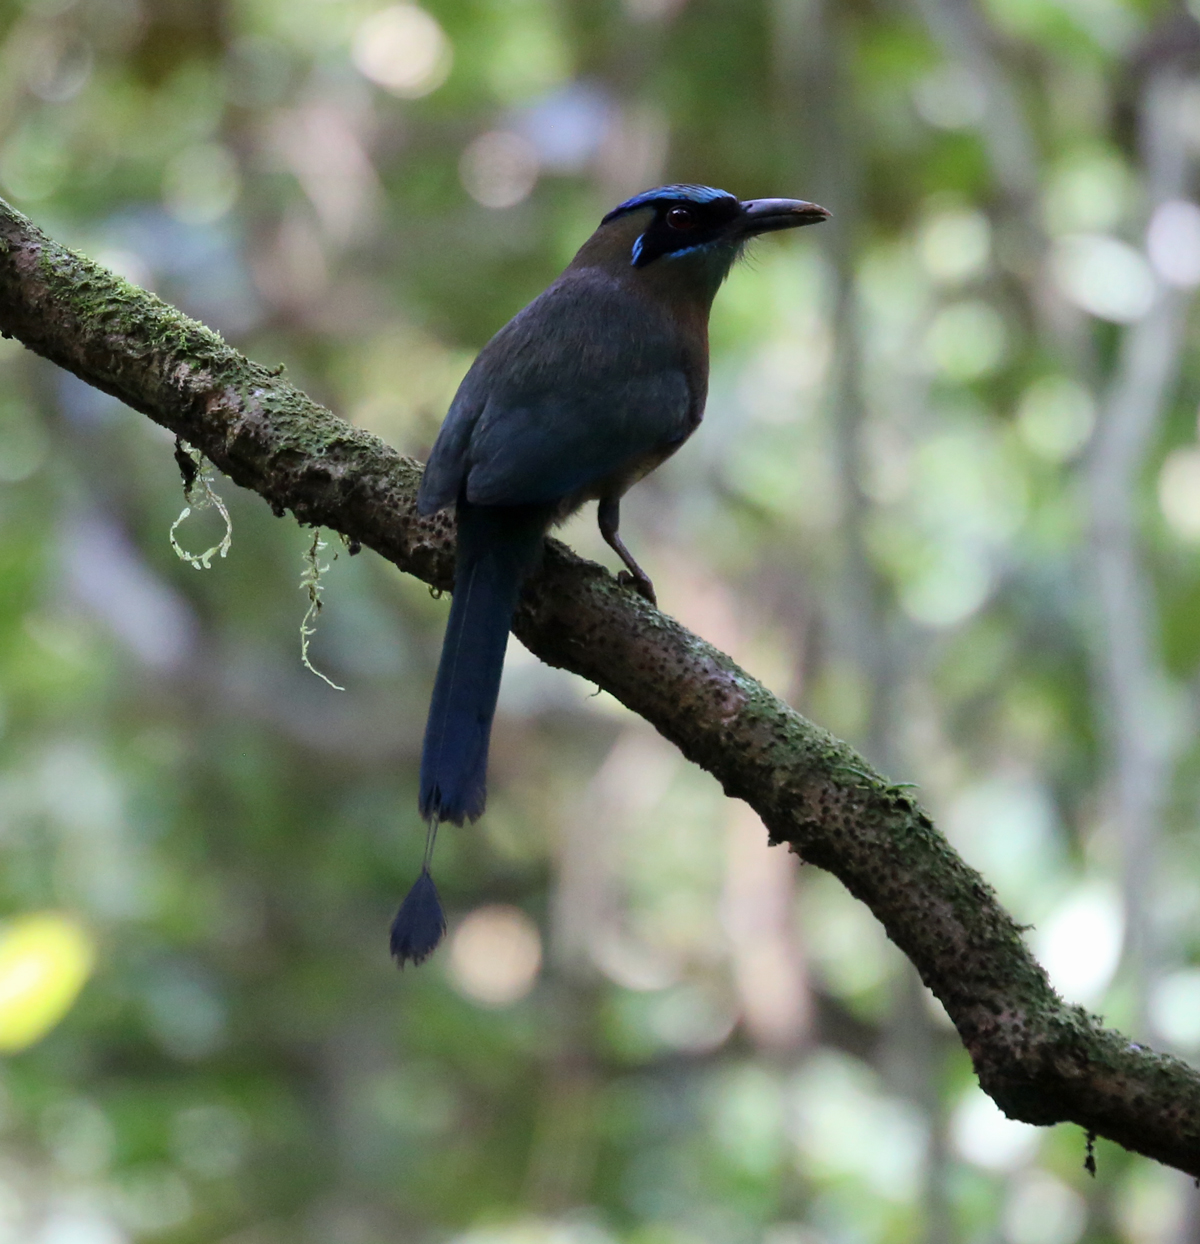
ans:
(946, 500)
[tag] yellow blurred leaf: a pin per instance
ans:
(45, 960)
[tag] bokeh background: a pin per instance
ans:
(946, 501)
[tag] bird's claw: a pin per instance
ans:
(640, 584)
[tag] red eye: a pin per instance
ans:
(681, 218)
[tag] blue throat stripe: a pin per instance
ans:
(691, 250)
(636, 253)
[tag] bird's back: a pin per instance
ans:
(588, 380)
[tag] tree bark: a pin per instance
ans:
(1040, 1060)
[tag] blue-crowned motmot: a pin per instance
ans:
(577, 397)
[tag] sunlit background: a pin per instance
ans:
(946, 501)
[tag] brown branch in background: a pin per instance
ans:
(1041, 1060)
(1127, 672)
(817, 51)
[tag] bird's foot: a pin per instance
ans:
(640, 583)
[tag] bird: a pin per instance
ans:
(595, 383)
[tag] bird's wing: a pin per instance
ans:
(582, 386)
(554, 445)
(442, 480)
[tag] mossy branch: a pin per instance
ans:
(1041, 1060)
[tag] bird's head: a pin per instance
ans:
(687, 237)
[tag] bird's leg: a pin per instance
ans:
(609, 514)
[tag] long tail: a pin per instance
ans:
(498, 546)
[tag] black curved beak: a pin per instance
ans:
(767, 215)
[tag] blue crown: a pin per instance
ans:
(668, 194)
